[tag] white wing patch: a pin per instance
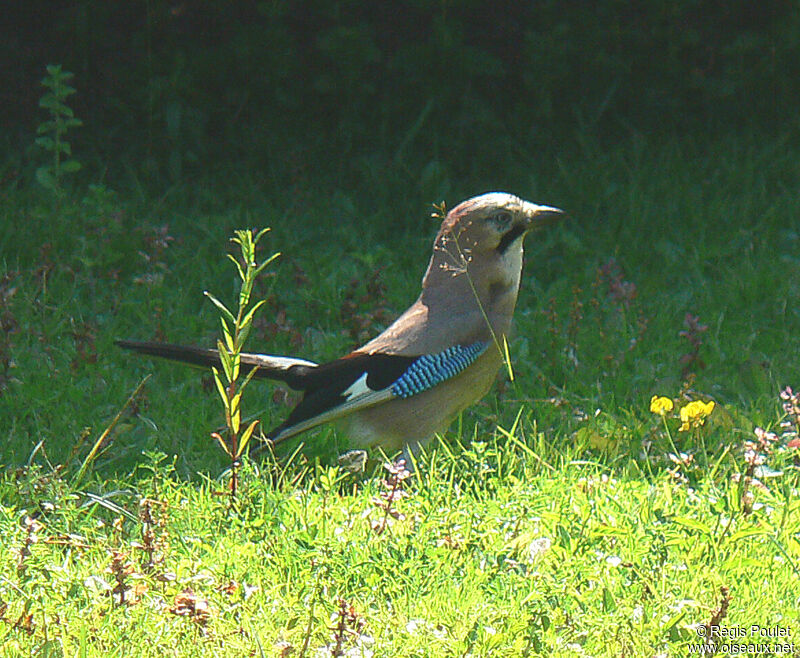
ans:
(357, 388)
(282, 362)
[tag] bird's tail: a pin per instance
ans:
(281, 368)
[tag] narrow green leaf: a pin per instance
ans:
(226, 361)
(244, 332)
(221, 441)
(609, 604)
(563, 536)
(267, 262)
(246, 436)
(694, 524)
(236, 412)
(221, 388)
(238, 266)
(236, 400)
(228, 315)
(747, 532)
(235, 362)
(226, 334)
(102, 440)
(249, 317)
(247, 379)
(507, 358)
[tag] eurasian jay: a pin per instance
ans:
(436, 359)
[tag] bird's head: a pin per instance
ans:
(482, 237)
(470, 287)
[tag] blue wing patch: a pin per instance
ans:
(359, 381)
(432, 369)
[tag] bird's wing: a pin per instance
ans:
(268, 367)
(361, 380)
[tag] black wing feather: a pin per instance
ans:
(325, 385)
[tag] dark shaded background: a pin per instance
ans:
(170, 88)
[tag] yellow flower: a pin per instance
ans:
(695, 413)
(661, 405)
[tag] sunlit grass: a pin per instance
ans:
(497, 547)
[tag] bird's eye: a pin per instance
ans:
(501, 220)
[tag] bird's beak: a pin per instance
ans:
(541, 216)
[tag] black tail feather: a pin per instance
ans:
(290, 371)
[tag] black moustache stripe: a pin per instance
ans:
(509, 237)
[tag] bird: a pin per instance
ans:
(441, 355)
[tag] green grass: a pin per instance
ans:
(548, 521)
(500, 552)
